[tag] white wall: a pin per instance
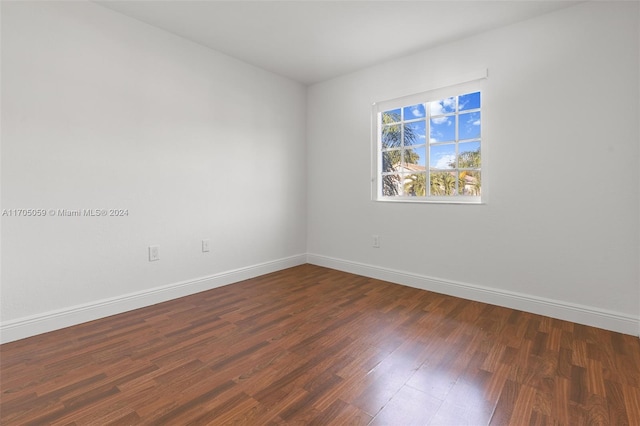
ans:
(559, 233)
(102, 111)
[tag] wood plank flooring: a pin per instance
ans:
(314, 346)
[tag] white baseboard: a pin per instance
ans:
(55, 320)
(608, 320)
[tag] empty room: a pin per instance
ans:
(320, 212)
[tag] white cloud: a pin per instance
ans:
(443, 162)
(441, 120)
(476, 123)
(436, 108)
(443, 106)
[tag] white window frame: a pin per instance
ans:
(473, 83)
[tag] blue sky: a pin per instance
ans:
(414, 111)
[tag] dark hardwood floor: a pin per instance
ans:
(310, 345)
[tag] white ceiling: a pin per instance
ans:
(312, 41)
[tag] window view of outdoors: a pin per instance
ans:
(443, 134)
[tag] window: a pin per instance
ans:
(429, 146)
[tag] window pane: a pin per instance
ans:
(469, 101)
(470, 182)
(415, 184)
(391, 185)
(469, 155)
(414, 111)
(469, 125)
(390, 160)
(391, 116)
(443, 129)
(414, 158)
(442, 183)
(442, 156)
(390, 137)
(443, 106)
(415, 133)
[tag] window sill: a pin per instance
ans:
(414, 200)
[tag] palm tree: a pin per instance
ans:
(443, 183)
(391, 133)
(392, 138)
(469, 159)
(416, 185)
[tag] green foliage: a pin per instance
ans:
(391, 133)
(392, 138)
(443, 183)
(416, 185)
(468, 160)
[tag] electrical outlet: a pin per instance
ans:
(154, 253)
(205, 246)
(376, 241)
